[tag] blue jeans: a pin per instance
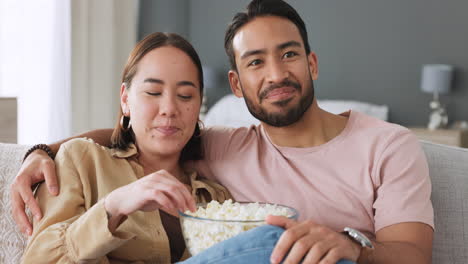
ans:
(253, 246)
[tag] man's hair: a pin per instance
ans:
(122, 138)
(261, 8)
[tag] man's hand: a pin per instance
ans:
(311, 243)
(37, 167)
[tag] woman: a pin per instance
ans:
(119, 204)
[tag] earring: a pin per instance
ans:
(125, 123)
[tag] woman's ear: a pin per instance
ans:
(124, 98)
(234, 82)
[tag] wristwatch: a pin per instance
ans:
(358, 237)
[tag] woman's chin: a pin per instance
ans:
(165, 150)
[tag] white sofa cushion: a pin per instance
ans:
(448, 167)
(12, 242)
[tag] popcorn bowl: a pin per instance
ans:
(219, 222)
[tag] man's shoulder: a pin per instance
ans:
(368, 126)
(218, 142)
(220, 133)
(371, 134)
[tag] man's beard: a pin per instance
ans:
(282, 119)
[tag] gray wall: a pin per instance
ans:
(163, 15)
(368, 50)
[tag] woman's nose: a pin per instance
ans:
(168, 106)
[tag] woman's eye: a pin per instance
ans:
(289, 54)
(255, 62)
(185, 97)
(155, 93)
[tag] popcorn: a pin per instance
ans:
(225, 221)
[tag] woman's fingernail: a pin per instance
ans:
(54, 190)
(28, 231)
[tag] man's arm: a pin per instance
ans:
(401, 243)
(100, 136)
(37, 167)
(313, 243)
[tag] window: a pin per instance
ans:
(35, 66)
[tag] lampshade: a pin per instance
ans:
(436, 78)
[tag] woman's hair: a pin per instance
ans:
(121, 138)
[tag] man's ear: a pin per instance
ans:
(313, 65)
(124, 98)
(234, 81)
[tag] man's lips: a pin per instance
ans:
(280, 93)
(167, 130)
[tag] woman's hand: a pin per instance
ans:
(37, 167)
(158, 190)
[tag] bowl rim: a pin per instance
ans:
(295, 214)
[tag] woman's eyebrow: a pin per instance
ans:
(184, 83)
(159, 81)
(153, 80)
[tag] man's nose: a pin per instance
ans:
(277, 72)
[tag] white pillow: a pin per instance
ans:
(229, 111)
(340, 106)
(232, 112)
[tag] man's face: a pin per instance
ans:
(274, 73)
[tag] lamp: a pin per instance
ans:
(437, 79)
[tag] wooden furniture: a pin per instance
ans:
(8, 120)
(452, 137)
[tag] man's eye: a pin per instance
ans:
(255, 62)
(154, 94)
(289, 54)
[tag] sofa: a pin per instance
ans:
(448, 170)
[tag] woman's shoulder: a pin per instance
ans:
(77, 147)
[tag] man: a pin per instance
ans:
(347, 170)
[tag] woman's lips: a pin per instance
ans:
(167, 130)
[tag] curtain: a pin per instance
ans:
(63, 60)
(35, 66)
(103, 34)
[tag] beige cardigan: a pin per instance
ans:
(74, 226)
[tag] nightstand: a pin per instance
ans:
(452, 137)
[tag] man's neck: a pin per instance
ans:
(316, 127)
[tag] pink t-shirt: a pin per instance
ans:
(372, 175)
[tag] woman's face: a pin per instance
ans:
(163, 101)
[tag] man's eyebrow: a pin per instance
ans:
(153, 80)
(291, 43)
(288, 44)
(252, 52)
